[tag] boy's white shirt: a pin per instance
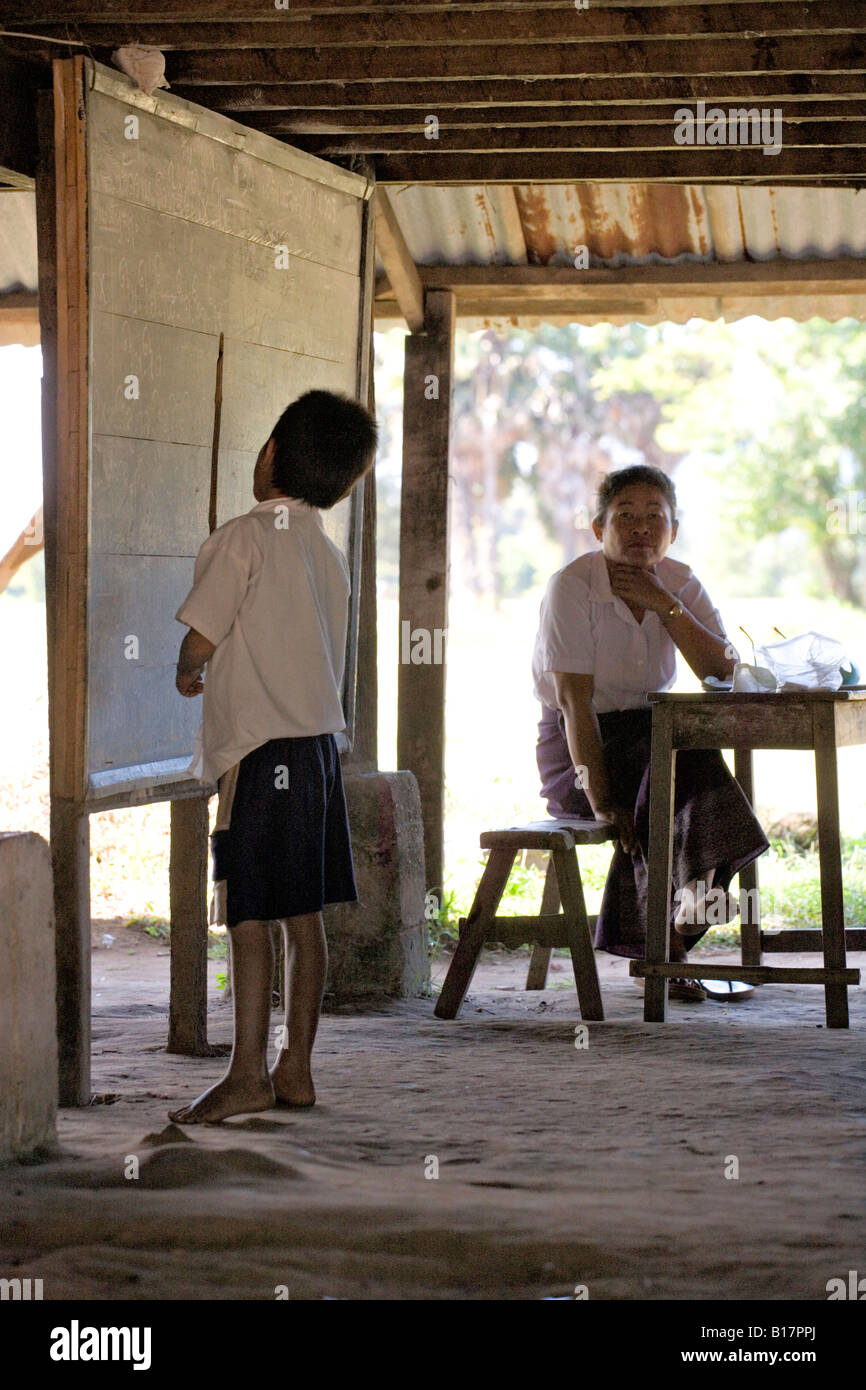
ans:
(271, 591)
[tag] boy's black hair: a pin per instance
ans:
(323, 443)
(628, 477)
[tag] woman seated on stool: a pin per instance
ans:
(611, 622)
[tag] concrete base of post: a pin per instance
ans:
(378, 946)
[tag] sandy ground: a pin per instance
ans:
(557, 1166)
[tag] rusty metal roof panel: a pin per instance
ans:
(18, 264)
(627, 224)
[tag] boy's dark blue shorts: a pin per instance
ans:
(287, 850)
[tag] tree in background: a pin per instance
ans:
(539, 417)
(528, 417)
(781, 406)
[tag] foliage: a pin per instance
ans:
(790, 889)
(158, 927)
(532, 436)
(771, 411)
(780, 405)
(442, 926)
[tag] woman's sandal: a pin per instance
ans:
(689, 990)
(679, 988)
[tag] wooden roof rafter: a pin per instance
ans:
(632, 292)
(522, 91)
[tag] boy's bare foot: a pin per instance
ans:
(292, 1083)
(230, 1096)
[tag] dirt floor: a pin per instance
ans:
(608, 1167)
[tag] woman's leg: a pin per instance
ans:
(246, 1085)
(306, 971)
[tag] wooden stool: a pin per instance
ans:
(549, 928)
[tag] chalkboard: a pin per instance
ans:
(196, 228)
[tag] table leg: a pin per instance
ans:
(830, 858)
(750, 924)
(660, 859)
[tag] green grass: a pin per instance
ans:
(491, 777)
(791, 886)
(789, 881)
(160, 929)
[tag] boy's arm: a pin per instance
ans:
(195, 650)
(222, 573)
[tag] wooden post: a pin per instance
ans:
(750, 931)
(70, 855)
(424, 528)
(61, 209)
(830, 859)
(660, 858)
(187, 876)
(364, 756)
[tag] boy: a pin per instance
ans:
(267, 613)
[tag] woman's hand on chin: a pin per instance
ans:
(622, 819)
(638, 586)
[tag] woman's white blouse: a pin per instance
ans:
(584, 628)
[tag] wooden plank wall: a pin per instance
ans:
(186, 233)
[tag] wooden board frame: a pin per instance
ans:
(66, 321)
(68, 456)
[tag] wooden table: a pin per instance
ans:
(821, 720)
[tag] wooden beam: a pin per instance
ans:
(61, 229)
(695, 165)
(14, 13)
(401, 269)
(19, 82)
(424, 535)
(70, 857)
(299, 120)
(364, 756)
(532, 93)
(836, 979)
(781, 276)
(784, 939)
(187, 877)
(441, 28)
(552, 310)
(412, 63)
(604, 139)
(635, 293)
(66, 471)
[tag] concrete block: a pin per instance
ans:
(379, 944)
(28, 1026)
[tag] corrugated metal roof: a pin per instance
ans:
(640, 224)
(18, 263)
(620, 224)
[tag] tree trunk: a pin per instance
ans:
(840, 571)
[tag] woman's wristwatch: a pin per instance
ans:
(676, 610)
